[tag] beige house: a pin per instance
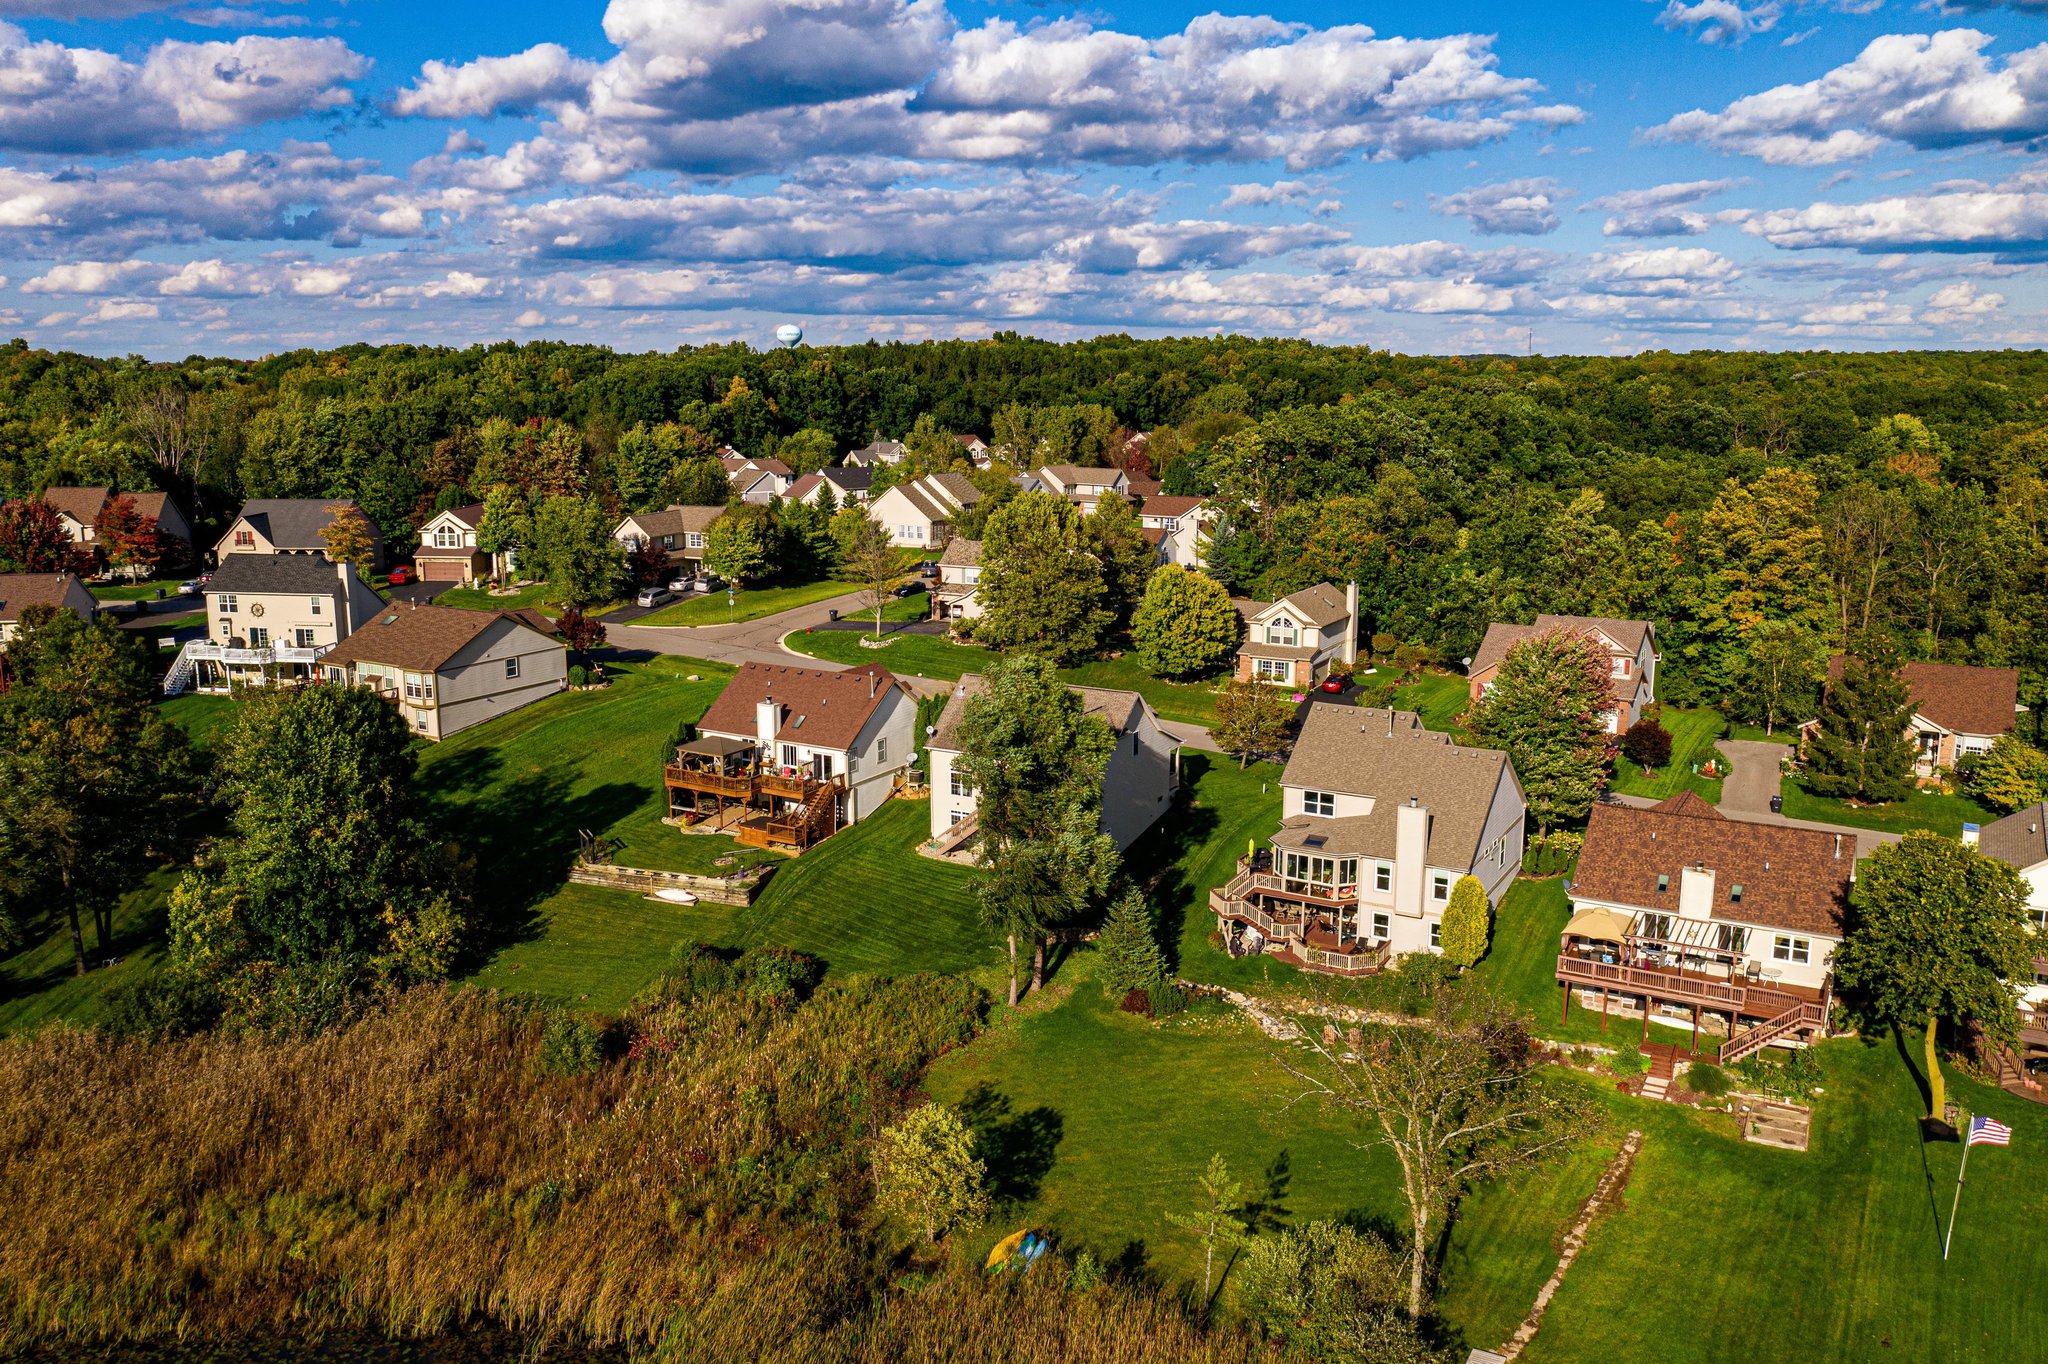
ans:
(1082, 487)
(21, 591)
(1292, 642)
(448, 550)
(920, 514)
(849, 487)
(1630, 646)
(956, 597)
(1137, 784)
(1958, 710)
(446, 669)
(1182, 523)
(678, 531)
(290, 525)
(270, 619)
(2020, 840)
(875, 453)
(80, 510)
(1690, 916)
(1380, 818)
(759, 481)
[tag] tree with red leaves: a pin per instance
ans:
(129, 539)
(582, 633)
(33, 539)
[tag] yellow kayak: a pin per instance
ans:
(1006, 1247)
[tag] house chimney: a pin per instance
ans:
(1411, 854)
(1969, 835)
(767, 720)
(1695, 893)
(1351, 624)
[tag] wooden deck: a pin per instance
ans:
(1737, 998)
(1303, 938)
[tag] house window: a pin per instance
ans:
(1317, 873)
(882, 749)
(1436, 936)
(227, 604)
(445, 538)
(314, 604)
(259, 638)
(1281, 630)
(511, 668)
(957, 785)
(695, 540)
(1624, 666)
(1383, 876)
(1440, 886)
(1347, 875)
(668, 542)
(245, 539)
(1272, 669)
(956, 817)
(1796, 950)
(303, 637)
(789, 755)
(2038, 916)
(1379, 926)
(1318, 803)
(1729, 938)
(824, 762)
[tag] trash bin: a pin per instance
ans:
(159, 594)
(832, 614)
(1777, 805)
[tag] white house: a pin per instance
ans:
(849, 487)
(1292, 642)
(920, 514)
(1630, 646)
(1685, 915)
(20, 591)
(1183, 523)
(757, 480)
(290, 525)
(2020, 840)
(447, 669)
(876, 453)
(1137, 783)
(448, 550)
(1082, 487)
(1380, 817)
(270, 619)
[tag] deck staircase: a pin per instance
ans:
(184, 669)
(2010, 1077)
(1663, 1065)
(1752, 1040)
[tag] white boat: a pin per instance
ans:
(674, 895)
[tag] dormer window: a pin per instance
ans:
(1318, 802)
(1281, 630)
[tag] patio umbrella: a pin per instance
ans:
(1598, 925)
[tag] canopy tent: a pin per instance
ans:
(715, 746)
(1599, 925)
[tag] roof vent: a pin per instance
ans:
(1663, 882)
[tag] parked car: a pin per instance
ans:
(2037, 1065)
(909, 589)
(400, 576)
(928, 569)
(710, 582)
(189, 588)
(682, 584)
(653, 596)
(1333, 684)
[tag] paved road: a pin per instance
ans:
(1753, 780)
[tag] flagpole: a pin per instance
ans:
(1957, 1202)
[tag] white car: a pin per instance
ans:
(653, 596)
(683, 584)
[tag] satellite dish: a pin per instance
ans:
(789, 333)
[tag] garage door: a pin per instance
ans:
(442, 570)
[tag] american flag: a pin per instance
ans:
(1988, 1132)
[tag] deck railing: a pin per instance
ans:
(1365, 961)
(1647, 980)
(716, 783)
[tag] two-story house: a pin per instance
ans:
(291, 525)
(448, 669)
(1958, 710)
(1137, 784)
(1183, 525)
(676, 530)
(956, 596)
(786, 756)
(759, 481)
(1691, 917)
(1380, 818)
(1082, 487)
(448, 550)
(1292, 642)
(21, 591)
(80, 510)
(1630, 646)
(2020, 840)
(875, 453)
(270, 618)
(920, 514)
(849, 487)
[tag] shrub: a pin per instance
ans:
(1410, 657)
(1627, 1062)
(1418, 979)
(781, 974)
(1086, 1274)
(1137, 1000)
(1647, 743)
(1167, 999)
(170, 1004)
(579, 676)
(570, 1045)
(1465, 923)
(1709, 1080)
(1375, 696)
(1384, 644)
(1552, 854)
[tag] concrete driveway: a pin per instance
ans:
(1753, 779)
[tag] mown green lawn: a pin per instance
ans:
(1920, 810)
(1187, 702)
(1783, 734)
(201, 716)
(483, 599)
(750, 604)
(1439, 698)
(144, 591)
(1693, 735)
(38, 983)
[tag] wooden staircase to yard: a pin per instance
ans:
(1663, 1066)
(1754, 1039)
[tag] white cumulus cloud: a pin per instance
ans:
(1525, 208)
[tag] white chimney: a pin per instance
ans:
(767, 720)
(1351, 624)
(1695, 893)
(1411, 856)
(1969, 835)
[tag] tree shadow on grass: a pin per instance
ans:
(133, 934)
(1154, 862)
(1018, 1147)
(521, 834)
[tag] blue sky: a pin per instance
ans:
(246, 176)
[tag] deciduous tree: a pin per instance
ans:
(1041, 588)
(871, 560)
(129, 539)
(926, 1172)
(1251, 719)
(1216, 1220)
(571, 545)
(348, 536)
(741, 545)
(1185, 625)
(1777, 677)
(1114, 535)
(33, 538)
(1546, 710)
(2012, 776)
(1936, 931)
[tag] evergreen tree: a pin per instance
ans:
(1185, 626)
(1041, 589)
(1131, 959)
(1861, 749)
(1116, 538)
(1465, 928)
(1545, 710)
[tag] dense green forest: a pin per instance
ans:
(1762, 508)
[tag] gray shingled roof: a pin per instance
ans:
(1389, 756)
(2020, 839)
(296, 574)
(295, 522)
(961, 552)
(1120, 710)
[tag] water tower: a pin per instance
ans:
(788, 334)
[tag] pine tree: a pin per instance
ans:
(1861, 748)
(1131, 959)
(1464, 934)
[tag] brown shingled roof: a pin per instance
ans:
(19, 591)
(1960, 698)
(416, 638)
(1794, 879)
(1502, 636)
(82, 505)
(818, 708)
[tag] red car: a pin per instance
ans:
(400, 576)
(1333, 684)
